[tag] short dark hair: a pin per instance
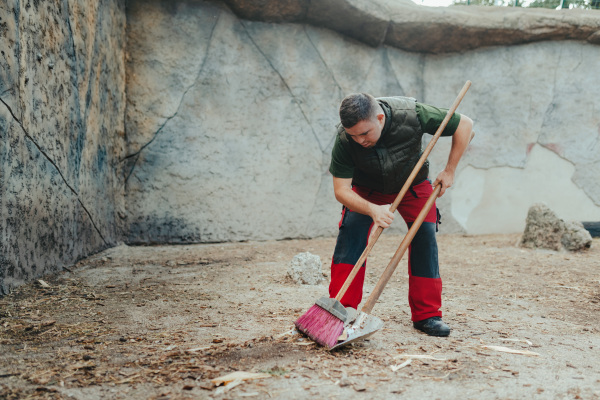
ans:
(357, 107)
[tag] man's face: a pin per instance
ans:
(367, 132)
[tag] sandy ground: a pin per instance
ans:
(162, 321)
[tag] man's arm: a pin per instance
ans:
(381, 215)
(460, 141)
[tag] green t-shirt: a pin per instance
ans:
(430, 117)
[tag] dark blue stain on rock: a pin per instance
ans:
(77, 128)
(104, 91)
(3, 28)
(172, 7)
(7, 269)
(153, 229)
(76, 148)
(101, 158)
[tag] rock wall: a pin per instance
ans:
(230, 122)
(62, 104)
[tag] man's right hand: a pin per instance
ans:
(381, 215)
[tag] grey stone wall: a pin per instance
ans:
(62, 102)
(230, 124)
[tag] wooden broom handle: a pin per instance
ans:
(403, 191)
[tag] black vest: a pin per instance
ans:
(386, 166)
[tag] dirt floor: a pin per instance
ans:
(162, 321)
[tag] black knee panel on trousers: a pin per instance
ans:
(424, 252)
(352, 237)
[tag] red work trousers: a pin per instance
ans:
(425, 284)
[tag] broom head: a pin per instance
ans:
(321, 325)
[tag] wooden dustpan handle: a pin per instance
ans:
(403, 191)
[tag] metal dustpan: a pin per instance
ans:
(364, 326)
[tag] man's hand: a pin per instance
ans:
(446, 178)
(460, 141)
(381, 215)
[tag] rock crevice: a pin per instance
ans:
(284, 82)
(138, 152)
(327, 67)
(47, 157)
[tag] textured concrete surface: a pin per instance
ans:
(230, 125)
(62, 100)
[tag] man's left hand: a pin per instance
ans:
(446, 178)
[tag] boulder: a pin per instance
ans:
(305, 268)
(544, 229)
(408, 26)
(576, 237)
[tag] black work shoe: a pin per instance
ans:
(433, 326)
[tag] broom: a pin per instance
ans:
(324, 321)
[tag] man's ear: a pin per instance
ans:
(380, 117)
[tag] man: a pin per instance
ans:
(378, 143)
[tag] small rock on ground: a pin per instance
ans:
(306, 268)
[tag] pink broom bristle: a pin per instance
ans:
(321, 326)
